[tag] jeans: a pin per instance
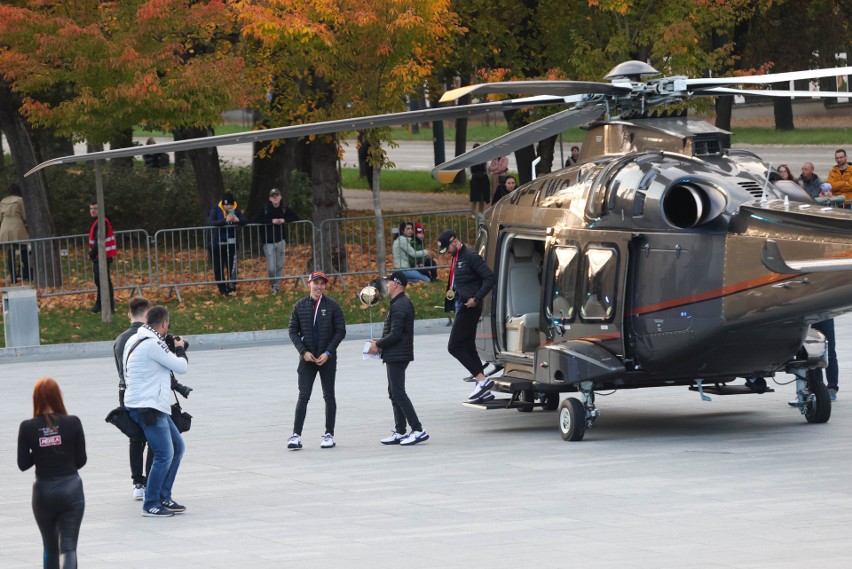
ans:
(413, 276)
(307, 374)
(403, 409)
(58, 505)
(832, 372)
(462, 344)
(167, 444)
(274, 253)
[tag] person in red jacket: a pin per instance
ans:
(111, 252)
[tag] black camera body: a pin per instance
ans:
(169, 339)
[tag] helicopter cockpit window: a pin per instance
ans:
(598, 295)
(564, 283)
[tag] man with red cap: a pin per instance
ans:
(316, 329)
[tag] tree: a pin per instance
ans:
(331, 60)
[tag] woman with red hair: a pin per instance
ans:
(53, 441)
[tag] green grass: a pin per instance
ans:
(401, 181)
(206, 312)
(829, 136)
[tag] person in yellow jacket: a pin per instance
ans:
(840, 178)
(13, 227)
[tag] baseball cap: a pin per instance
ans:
(418, 228)
(398, 277)
(444, 240)
(274, 192)
(316, 275)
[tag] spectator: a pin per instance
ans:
(137, 313)
(420, 245)
(405, 257)
(54, 442)
(397, 348)
(785, 174)
(498, 168)
(157, 159)
(223, 242)
(111, 253)
(13, 227)
(840, 178)
(148, 368)
(274, 215)
(504, 189)
(480, 191)
(574, 159)
(810, 182)
(317, 326)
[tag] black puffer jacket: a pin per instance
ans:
(331, 328)
(397, 341)
(473, 278)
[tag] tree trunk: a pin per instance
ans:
(49, 146)
(122, 139)
(381, 251)
(545, 152)
(331, 253)
(783, 109)
(267, 172)
(724, 110)
(45, 259)
(461, 138)
(205, 164)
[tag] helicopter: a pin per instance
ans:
(661, 259)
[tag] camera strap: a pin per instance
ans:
(133, 347)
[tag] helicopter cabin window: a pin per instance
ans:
(598, 296)
(565, 262)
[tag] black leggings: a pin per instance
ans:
(462, 343)
(58, 505)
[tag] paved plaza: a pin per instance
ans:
(663, 480)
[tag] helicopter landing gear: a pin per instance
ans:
(526, 400)
(812, 398)
(576, 416)
(549, 401)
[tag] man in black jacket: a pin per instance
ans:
(316, 330)
(274, 215)
(470, 280)
(397, 347)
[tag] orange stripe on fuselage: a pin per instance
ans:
(710, 294)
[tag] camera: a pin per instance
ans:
(180, 388)
(170, 342)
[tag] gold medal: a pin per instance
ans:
(451, 294)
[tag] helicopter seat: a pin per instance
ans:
(523, 294)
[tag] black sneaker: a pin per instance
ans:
(174, 506)
(157, 512)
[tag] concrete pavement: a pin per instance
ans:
(663, 480)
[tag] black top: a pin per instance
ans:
(397, 341)
(473, 278)
(55, 451)
(322, 335)
(118, 350)
(273, 233)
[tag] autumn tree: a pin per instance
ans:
(330, 60)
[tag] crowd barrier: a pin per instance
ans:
(59, 266)
(187, 256)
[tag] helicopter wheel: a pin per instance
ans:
(526, 396)
(572, 419)
(818, 405)
(550, 401)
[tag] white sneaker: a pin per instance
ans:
(414, 437)
(481, 389)
(327, 441)
(139, 492)
(393, 439)
(295, 443)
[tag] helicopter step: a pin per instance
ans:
(503, 403)
(725, 389)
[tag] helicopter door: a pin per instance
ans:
(519, 290)
(584, 288)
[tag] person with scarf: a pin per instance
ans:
(224, 216)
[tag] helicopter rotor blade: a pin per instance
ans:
(516, 139)
(779, 93)
(710, 82)
(298, 131)
(558, 88)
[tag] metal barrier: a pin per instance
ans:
(61, 266)
(193, 256)
(350, 242)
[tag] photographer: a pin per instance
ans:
(148, 366)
